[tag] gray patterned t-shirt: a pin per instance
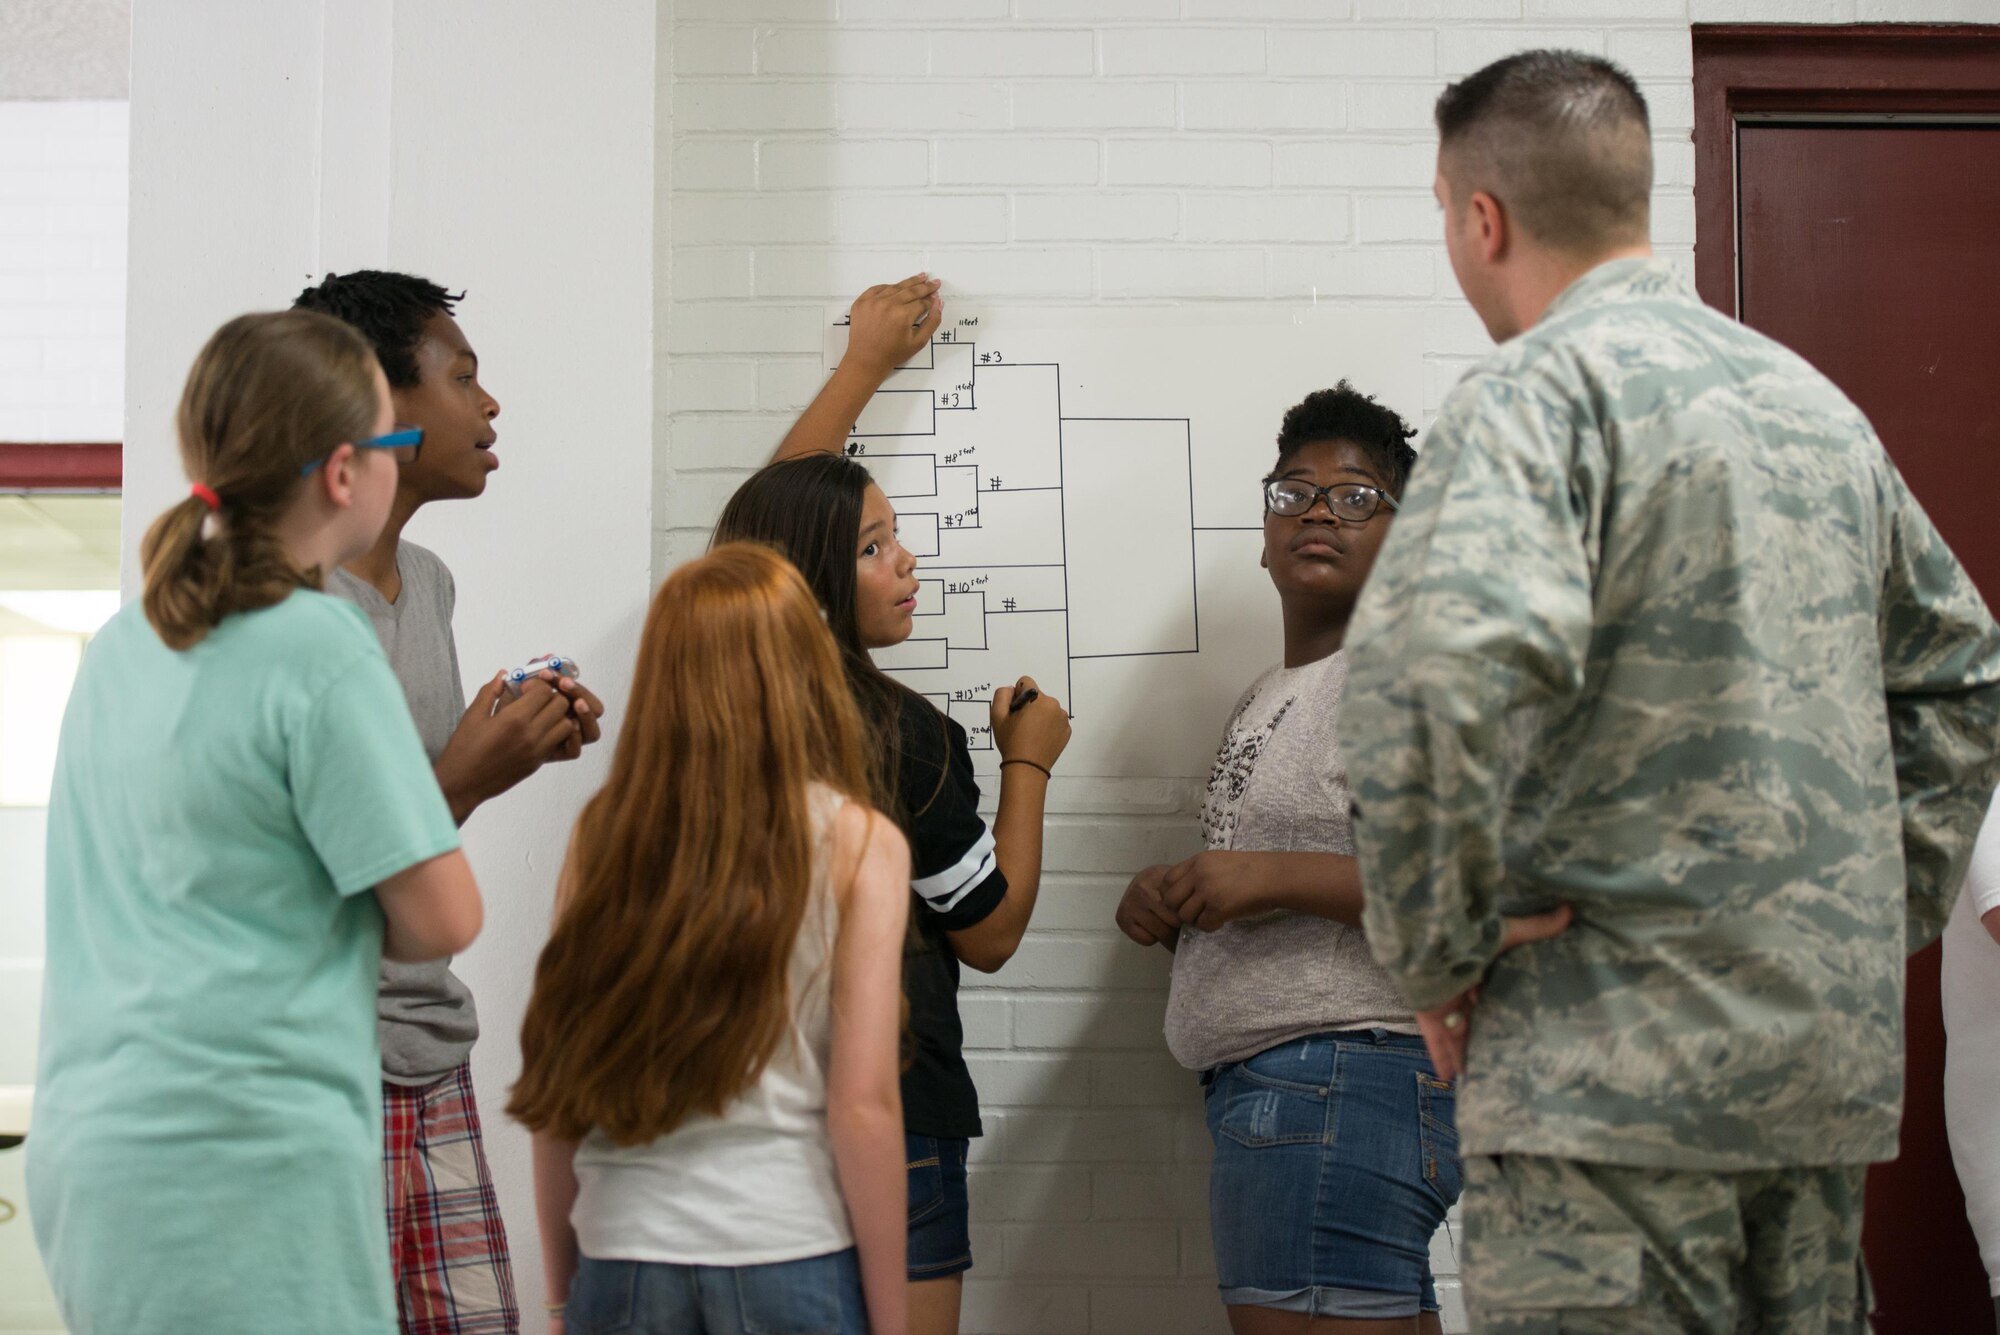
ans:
(1279, 785)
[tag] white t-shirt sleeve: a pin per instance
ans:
(1971, 997)
(1982, 878)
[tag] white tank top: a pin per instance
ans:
(757, 1184)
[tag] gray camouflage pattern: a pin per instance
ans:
(1660, 633)
(1592, 1249)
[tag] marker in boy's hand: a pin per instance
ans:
(586, 710)
(549, 667)
(500, 742)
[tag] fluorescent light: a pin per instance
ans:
(36, 673)
(72, 611)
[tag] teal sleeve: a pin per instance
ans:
(1479, 605)
(362, 788)
(1941, 671)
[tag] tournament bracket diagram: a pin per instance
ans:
(1079, 488)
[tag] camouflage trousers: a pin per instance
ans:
(1554, 1246)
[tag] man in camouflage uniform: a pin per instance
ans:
(1659, 636)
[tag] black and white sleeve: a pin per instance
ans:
(954, 869)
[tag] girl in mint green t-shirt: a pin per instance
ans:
(242, 824)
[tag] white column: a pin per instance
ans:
(505, 148)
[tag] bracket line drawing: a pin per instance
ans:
(1017, 565)
(1080, 490)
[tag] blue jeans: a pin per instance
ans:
(940, 1244)
(820, 1295)
(1336, 1157)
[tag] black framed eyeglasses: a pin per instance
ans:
(1350, 502)
(407, 441)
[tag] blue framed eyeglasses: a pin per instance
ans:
(407, 441)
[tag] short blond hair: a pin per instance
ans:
(1561, 138)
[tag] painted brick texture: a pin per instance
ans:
(62, 271)
(1081, 152)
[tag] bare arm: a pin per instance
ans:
(555, 1197)
(887, 325)
(430, 910)
(1221, 885)
(555, 1164)
(988, 944)
(864, 1103)
(1035, 733)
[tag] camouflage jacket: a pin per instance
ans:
(1660, 633)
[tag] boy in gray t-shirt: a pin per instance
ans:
(427, 1020)
(1335, 1155)
(447, 1244)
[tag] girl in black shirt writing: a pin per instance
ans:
(975, 886)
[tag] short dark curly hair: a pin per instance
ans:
(388, 308)
(1345, 413)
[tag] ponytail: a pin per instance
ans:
(198, 571)
(268, 394)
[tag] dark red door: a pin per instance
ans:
(1869, 248)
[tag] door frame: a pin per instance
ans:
(1880, 73)
(1886, 71)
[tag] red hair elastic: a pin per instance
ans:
(206, 495)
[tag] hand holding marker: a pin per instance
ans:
(1029, 728)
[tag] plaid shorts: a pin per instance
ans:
(447, 1246)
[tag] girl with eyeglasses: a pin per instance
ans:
(1335, 1153)
(242, 826)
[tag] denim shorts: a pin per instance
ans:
(820, 1295)
(940, 1227)
(1336, 1158)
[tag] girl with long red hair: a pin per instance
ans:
(710, 1054)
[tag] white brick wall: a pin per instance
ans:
(1085, 151)
(62, 271)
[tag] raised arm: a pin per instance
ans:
(887, 325)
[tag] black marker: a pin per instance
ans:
(1026, 697)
